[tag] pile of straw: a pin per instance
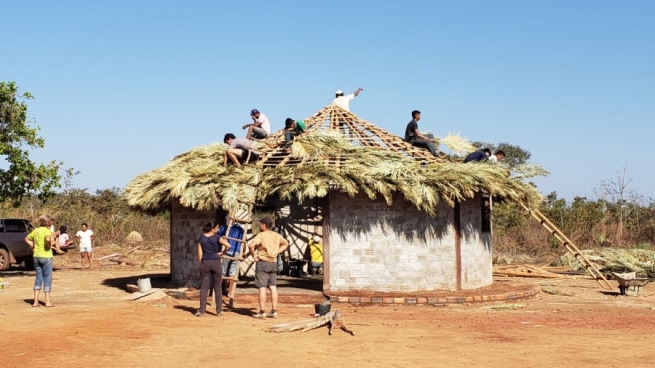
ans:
(610, 260)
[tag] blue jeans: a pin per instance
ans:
(43, 268)
(230, 266)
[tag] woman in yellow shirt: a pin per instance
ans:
(41, 242)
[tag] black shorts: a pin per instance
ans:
(265, 274)
(244, 156)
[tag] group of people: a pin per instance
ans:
(217, 255)
(242, 150)
(42, 241)
(264, 249)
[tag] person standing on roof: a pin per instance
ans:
(478, 156)
(260, 128)
(415, 138)
(344, 101)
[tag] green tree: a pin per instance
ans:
(514, 155)
(22, 177)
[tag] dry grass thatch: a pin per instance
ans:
(609, 260)
(325, 160)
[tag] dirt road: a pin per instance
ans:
(92, 326)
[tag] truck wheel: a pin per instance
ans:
(4, 260)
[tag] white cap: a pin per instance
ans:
(339, 92)
(317, 239)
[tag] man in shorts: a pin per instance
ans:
(260, 128)
(240, 150)
(265, 248)
(86, 237)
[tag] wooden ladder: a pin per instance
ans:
(241, 213)
(559, 235)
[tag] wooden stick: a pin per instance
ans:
(526, 274)
(122, 260)
(132, 250)
(109, 256)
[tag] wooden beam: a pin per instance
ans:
(457, 227)
(326, 244)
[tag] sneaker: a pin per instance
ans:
(260, 315)
(273, 314)
(198, 314)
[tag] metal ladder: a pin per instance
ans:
(559, 235)
(241, 213)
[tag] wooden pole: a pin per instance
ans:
(457, 227)
(326, 244)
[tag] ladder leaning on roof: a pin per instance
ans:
(241, 213)
(559, 235)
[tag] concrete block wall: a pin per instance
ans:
(186, 226)
(376, 247)
(475, 246)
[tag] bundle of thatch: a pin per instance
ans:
(328, 161)
(609, 260)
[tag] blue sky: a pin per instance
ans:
(123, 86)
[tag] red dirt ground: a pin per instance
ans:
(92, 326)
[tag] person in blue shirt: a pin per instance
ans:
(478, 156)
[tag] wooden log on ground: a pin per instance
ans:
(107, 257)
(527, 274)
(133, 250)
(121, 260)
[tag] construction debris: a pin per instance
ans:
(526, 271)
(334, 319)
(610, 260)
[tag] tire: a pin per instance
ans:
(5, 263)
(29, 265)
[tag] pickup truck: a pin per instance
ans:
(13, 248)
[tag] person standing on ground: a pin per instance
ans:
(265, 248)
(316, 252)
(41, 242)
(478, 156)
(260, 128)
(211, 248)
(86, 237)
(344, 101)
(415, 138)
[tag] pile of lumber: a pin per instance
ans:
(527, 271)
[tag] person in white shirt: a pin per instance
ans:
(498, 156)
(260, 128)
(344, 101)
(86, 237)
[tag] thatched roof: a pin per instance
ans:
(340, 152)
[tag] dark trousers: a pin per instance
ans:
(425, 143)
(288, 137)
(211, 269)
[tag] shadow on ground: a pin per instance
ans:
(157, 280)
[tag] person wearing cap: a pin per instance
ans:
(265, 248)
(293, 128)
(344, 101)
(240, 150)
(477, 156)
(316, 252)
(260, 128)
(415, 138)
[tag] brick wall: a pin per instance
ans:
(398, 248)
(186, 226)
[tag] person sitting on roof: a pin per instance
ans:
(344, 101)
(292, 128)
(240, 150)
(477, 156)
(260, 128)
(415, 138)
(498, 156)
